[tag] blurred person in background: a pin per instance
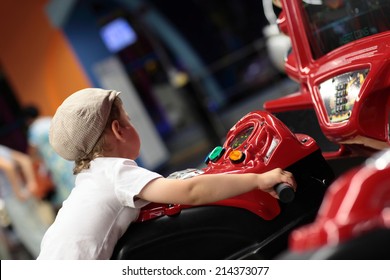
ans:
(43, 155)
(29, 217)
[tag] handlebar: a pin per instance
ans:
(285, 192)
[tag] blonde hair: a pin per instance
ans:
(98, 150)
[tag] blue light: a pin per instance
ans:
(117, 35)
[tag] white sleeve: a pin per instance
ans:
(130, 179)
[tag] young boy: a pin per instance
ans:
(92, 128)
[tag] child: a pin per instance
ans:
(92, 128)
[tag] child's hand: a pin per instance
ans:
(268, 180)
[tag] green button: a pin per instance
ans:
(216, 153)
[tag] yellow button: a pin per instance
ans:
(236, 156)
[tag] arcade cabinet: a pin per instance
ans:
(340, 57)
(252, 225)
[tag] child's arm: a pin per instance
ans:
(209, 188)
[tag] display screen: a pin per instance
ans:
(334, 23)
(117, 35)
(241, 137)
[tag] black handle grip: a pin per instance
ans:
(285, 192)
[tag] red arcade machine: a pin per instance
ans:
(252, 225)
(340, 57)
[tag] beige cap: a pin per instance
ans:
(79, 121)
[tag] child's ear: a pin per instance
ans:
(117, 130)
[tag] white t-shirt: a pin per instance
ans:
(98, 211)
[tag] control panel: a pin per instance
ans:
(340, 93)
(253, 141)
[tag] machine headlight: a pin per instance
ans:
(339, 94)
